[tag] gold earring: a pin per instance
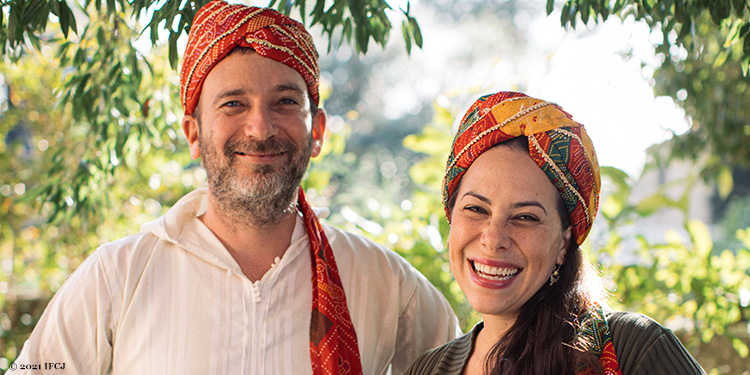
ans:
(555, 275)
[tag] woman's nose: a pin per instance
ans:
(495, 236)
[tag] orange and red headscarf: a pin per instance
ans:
(217, 29)
(562, 149)
(557, 143)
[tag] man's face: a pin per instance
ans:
(256, 135)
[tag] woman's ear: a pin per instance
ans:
(567, 237)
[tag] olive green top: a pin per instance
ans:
(642, 346)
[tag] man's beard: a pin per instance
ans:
(263, 197)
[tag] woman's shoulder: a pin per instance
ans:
(625, 322)
(450, 358)
(643, 346)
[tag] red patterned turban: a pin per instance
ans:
(557, 143)
(219, 27)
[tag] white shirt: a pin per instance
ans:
(172, 300)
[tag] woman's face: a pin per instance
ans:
(506, 234)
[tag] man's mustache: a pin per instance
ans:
(269, 146)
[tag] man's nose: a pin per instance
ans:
(259, 124)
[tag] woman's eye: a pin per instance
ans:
(526, 217)
(475, 209)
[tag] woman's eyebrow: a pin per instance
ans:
(479, 196)
(529, 203)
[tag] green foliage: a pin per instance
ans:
(679, 21)
(355, 21)
(685, 282)
(120, 97)
(705, 52)
(38, 255)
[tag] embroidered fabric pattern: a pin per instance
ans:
(333, 340)
(596, 330)
(557, 143)
(219, 27)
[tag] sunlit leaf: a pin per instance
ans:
(725, 182)
(740, 347)
(701, 238)
(652, 204)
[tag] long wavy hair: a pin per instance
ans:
(543, 340)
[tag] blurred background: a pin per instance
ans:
(92, 146)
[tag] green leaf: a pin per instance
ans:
(720, 59)
(416, 31)
(173, 53)
(65, 17)
(700, 237)
(739, 7)
(550, 6)
(685, 29)
(565, 15)
(347, 29)
(100, 37)
(55, 7)
(407, 36)
(652, 204)
(646, 6)
(362, 37)
(719, 9)
(725, 182)
(740, 347)
(585, 14)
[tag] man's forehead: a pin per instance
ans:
(246, 67)
(221, 27)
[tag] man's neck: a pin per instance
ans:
(253, 248)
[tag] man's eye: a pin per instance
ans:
(231, 103)
(288, 101)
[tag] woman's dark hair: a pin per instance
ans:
(543, 339)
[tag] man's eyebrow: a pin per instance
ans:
(228, 93)
(288, 87)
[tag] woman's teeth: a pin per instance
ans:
(494, 273)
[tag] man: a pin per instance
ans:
(222, 283)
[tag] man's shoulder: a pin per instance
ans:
(126, 250)
(346, 244)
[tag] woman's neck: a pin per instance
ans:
(494, 328)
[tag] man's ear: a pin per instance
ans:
(192, 133)
(318, 131)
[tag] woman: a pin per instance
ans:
(521, 191)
